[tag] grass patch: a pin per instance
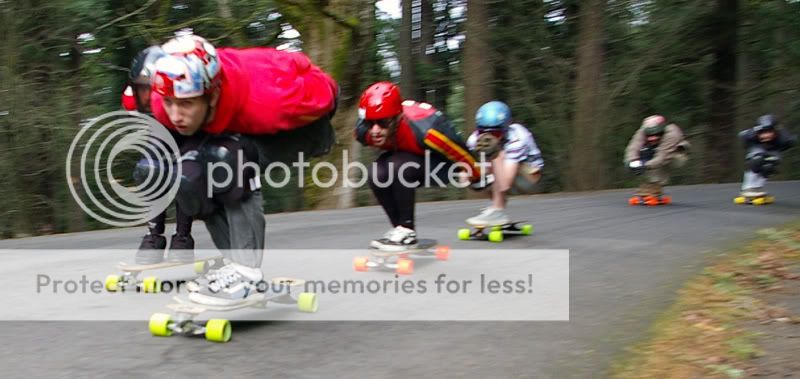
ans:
(704, 333)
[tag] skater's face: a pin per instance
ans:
(766, 136)
(381, 129)
(142, 92)
(653, 140)
(190, 114)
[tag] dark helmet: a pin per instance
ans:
(765, 123)
(143, 65)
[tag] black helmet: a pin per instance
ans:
(142, 66)
(765, 123)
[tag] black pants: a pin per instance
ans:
(183, 221)
(397, 197)
(313, 140)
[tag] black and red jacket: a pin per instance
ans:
(422, 127)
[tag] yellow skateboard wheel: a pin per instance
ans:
(526, 229)
(463, 234)
(151, 285)
(307, 302)
(200, 267)
(159, 325)
(739, 200)
(218, 330)
(496, 236)
(112, 283)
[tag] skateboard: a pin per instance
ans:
(496, 233)
(384, 260)
(650, 200)
(129, 279)
(754, 200)
(219, 330)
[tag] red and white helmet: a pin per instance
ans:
(380, 100)
(190, 69)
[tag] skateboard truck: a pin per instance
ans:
(129, 279)
(384, 260)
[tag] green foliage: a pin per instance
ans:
(63, 62)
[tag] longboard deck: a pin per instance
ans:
(258, 300)
(422, 245)
(507, 225)
(132, 267)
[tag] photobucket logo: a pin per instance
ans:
(423, 171)
(94, 150)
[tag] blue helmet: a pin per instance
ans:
(493, 115)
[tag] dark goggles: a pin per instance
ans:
(383, 123)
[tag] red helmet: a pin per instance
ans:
(380, 100)
(128, 99)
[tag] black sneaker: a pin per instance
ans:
(181, 248)
(151, 250)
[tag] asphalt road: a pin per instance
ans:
(625, 265)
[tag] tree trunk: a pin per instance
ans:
(341, 47)
(235, 31)
(586, 158)
(408, 81)
(426, 89)
(720, 138)
(478, 67)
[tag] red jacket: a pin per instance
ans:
(265, 91)
(423, 127)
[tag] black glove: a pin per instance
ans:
(481, 185)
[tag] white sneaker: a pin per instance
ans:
(376, 243)
(231, 285)
(398, 239)
(753, 192)
(489, 217)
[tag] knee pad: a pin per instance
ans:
(192, 196)
(769, 165)
(153, 177)
(233, 170)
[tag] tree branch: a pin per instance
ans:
(129, 15)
